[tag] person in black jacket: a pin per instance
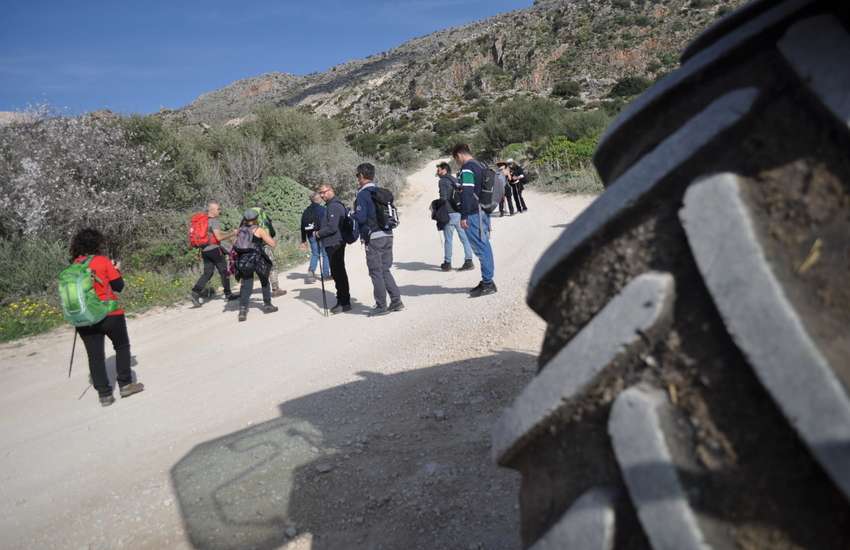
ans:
(517, 181)
(331, 240)
(447, 186)
(311, 221)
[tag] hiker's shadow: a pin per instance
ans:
(366, 464)
(416, 266)
(112, 369)
(422, 290)
(313, 297)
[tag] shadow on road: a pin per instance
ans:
(416, 266)
(420, 290)
(387, 461)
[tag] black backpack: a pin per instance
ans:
(487, 197)
(348, 229)
(455, 196)
(385, 211)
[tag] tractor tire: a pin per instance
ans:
(693, 381)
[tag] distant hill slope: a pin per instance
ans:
(593, 43)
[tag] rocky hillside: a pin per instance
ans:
(577, 48)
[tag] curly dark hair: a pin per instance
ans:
(87, 241)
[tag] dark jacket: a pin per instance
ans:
(446, 185)
(366, 215)
(311, 218)
(471, 176)
(329, 230)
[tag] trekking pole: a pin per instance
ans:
(322, 278)
(73, 347)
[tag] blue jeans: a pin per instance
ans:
(479, 237)
(448, 232)
(314, 257)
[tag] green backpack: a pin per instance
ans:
(81, 305)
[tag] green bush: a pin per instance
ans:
(518, 120)
(629, 86)
(417, 102)
(562, 152)
(566, 88)
(284, 199)
(30, 266)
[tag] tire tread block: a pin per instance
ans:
(763, 323)
(644, 309)
(588, 524)
(818, 49)
(650, 472)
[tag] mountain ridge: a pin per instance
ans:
(526, 51)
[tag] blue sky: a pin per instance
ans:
(135, 57)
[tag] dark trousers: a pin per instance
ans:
(336, 255)
(509, 194)
(248, 287)
(213, 260)
(115, 328)
(379, 260)
(520, 202)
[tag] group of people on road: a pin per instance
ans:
(325, 225)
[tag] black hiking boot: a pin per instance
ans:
(243, 314)
(467, 265)
(131, 388)
(106, 400)
(196, 299)
(231, 297)
(483, 290)
(446, 266)
(396, 306)
(476, 288)
(268, 308)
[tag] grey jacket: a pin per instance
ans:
(329, 234)
(446, 185)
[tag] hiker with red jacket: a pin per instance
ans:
(213, 256)
(107, 281)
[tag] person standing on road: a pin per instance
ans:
(252, 259)
(378, 241)
(447, 187)
(474, 219)
(107, 281)
(517, 180)
(214, 257)
(311, 221)
(504, 171)
(330, 238)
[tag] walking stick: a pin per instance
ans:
(322, 278)
(73, 347)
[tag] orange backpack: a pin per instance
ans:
(199, 231)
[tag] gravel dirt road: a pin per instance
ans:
(291, 429)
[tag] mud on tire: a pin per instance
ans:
(693, 383)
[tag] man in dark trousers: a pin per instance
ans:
(447, 185)
(379, 243)
(331, 240)
(214, 257)
(517, 181)
(311, 221)
(474, 219)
